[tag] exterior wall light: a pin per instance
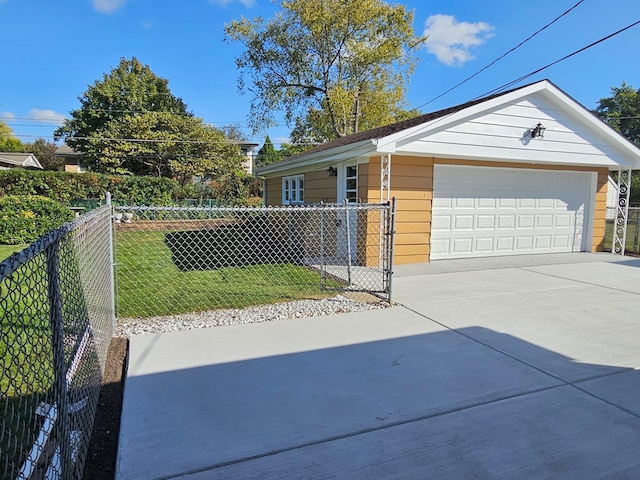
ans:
(537, 131)
(332, 172)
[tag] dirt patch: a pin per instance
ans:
(103, 448)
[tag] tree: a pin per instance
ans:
(165, 145)
(129, 89)
(267, 154)
(44, 150)
(8, 142)
(622, 111)
(333, 67)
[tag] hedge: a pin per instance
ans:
(24, 219)
(133, 190)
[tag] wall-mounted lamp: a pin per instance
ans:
(537, 131)
(332, 172)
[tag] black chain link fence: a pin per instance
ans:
(57, 319)
(173, 260)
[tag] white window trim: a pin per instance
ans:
(293, 187)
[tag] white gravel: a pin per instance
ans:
(262, 313)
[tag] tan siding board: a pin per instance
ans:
(274, 191)
(407, 259)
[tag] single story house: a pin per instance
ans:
(13, 160)
(519, 172)
(71, 159)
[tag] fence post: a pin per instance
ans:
(59, 363)
(391, 230)
(637, 233)
(348, 227)
(112, 263)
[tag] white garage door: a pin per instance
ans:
(482, 211)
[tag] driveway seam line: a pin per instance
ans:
(353, 434)
(527, 269)
(535, 367)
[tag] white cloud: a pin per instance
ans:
(48, 116)
(451, 41)
(224, 3)
(107, 6)
(7, 115)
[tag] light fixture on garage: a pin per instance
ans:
(537, 131)
(332, 172)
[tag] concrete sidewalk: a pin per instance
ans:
(520, 371)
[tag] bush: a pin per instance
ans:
(126, 190)
(24, 219)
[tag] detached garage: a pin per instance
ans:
(521, 172)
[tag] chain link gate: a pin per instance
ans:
(174, 260)
(57, 319)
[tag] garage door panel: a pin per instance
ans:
(508, 211)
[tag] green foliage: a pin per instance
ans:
(133, 190)
(130, 123)
(267, 154)
(130, 88)
(622, 111)
(44, 150)
(336, 65)
(8, 142)
(171, 146)
(23, 219)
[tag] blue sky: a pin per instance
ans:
(53, 50)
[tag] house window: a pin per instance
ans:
(351, 179)
(293, 189)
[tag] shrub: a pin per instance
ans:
(23, 219)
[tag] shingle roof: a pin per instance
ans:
(19, 159)
(390, 129)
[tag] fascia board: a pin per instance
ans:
(325, 157)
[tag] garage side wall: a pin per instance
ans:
(412, 187)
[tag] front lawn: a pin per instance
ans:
(150, 284)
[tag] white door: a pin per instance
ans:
(347, 227)
(484, 211)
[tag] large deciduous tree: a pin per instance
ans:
(130, 123)
(333, 67)
(165, 145)
(622, 111)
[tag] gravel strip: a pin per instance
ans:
(263, 313)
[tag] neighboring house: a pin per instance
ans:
(248, 150)
(71, 159)
(13, 160)
(473, 180)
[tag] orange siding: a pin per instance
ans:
(318, 187)
(600, 211)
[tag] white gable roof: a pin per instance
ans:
(494, 129)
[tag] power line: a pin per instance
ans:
(524, 77)
(500, 57)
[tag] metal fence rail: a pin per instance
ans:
(173, 260)
(57, 319)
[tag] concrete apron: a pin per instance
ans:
(515, 372)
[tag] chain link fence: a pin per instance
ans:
(57, 319)
(632, 243)
(173, 260)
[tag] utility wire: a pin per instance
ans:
(500, 57)
(524, 77)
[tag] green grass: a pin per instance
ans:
(6, 250)
(150, 284)
(630, 240)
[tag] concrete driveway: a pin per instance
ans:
(504, 368)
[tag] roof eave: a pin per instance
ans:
(325, 157)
